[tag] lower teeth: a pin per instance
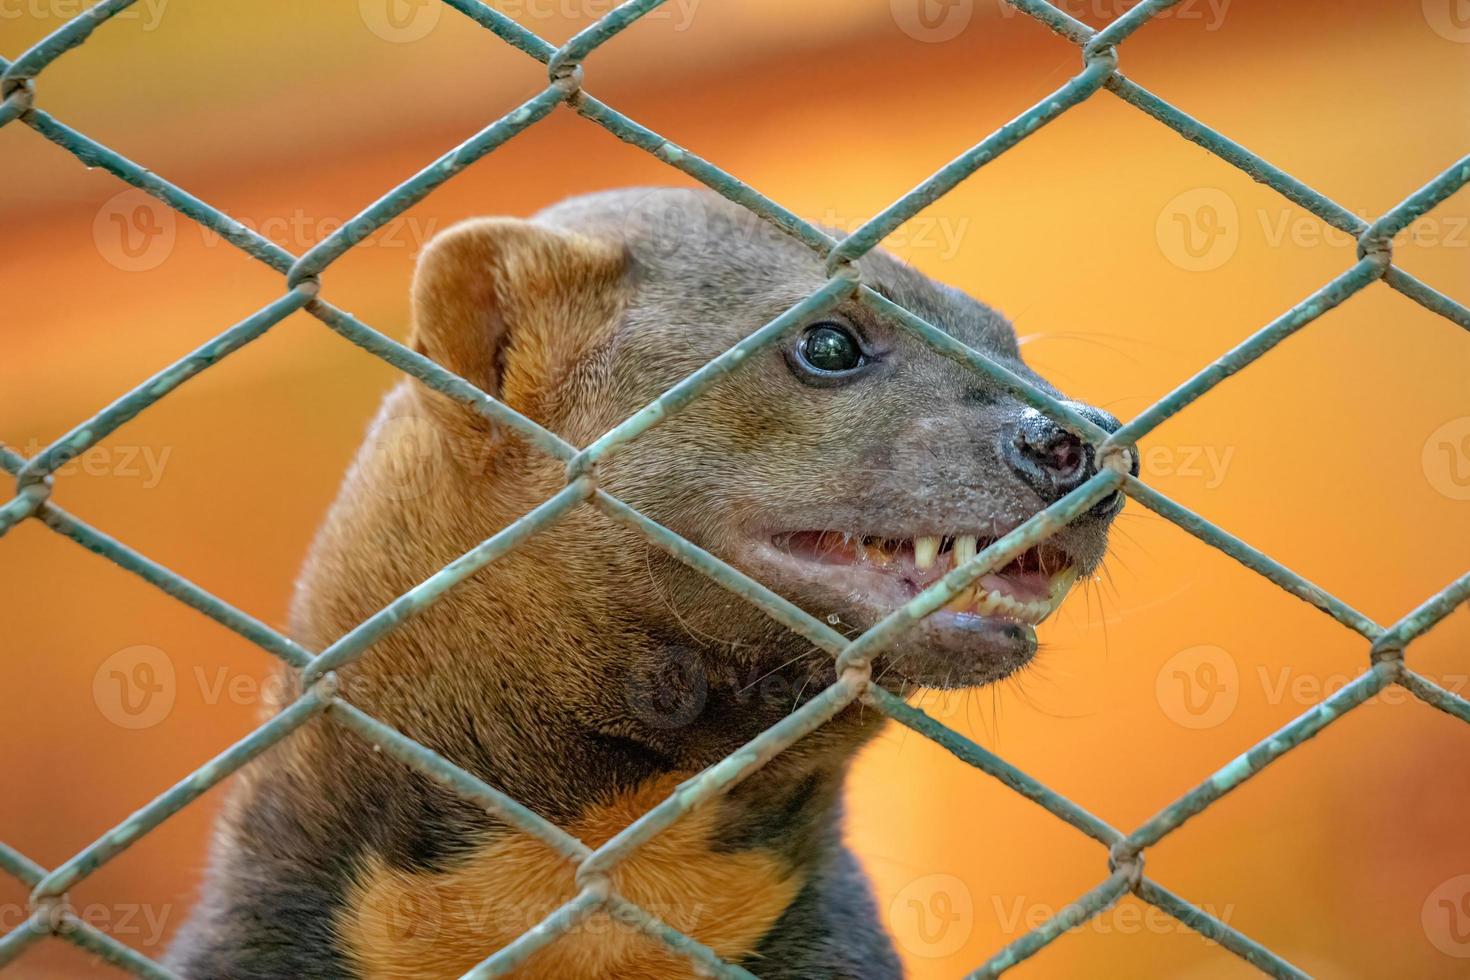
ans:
(987, 602)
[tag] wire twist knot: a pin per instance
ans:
(1123, 857)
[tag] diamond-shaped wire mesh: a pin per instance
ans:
(50, 914)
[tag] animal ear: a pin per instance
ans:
(509, 305)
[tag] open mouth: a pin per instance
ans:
(1027, 590)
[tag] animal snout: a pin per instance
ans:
(1047, 457)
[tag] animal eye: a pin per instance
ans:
(829, 348)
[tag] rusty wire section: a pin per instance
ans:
(1385, 646)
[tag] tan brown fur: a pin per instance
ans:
(405, 926)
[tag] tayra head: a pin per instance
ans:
(846, 468)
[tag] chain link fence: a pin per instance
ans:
(1385, 646)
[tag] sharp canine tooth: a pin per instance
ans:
(964, 549)
(1062, 582)
(925, 551)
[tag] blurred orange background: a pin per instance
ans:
(1127, 257)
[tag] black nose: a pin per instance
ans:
(1051, 460)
